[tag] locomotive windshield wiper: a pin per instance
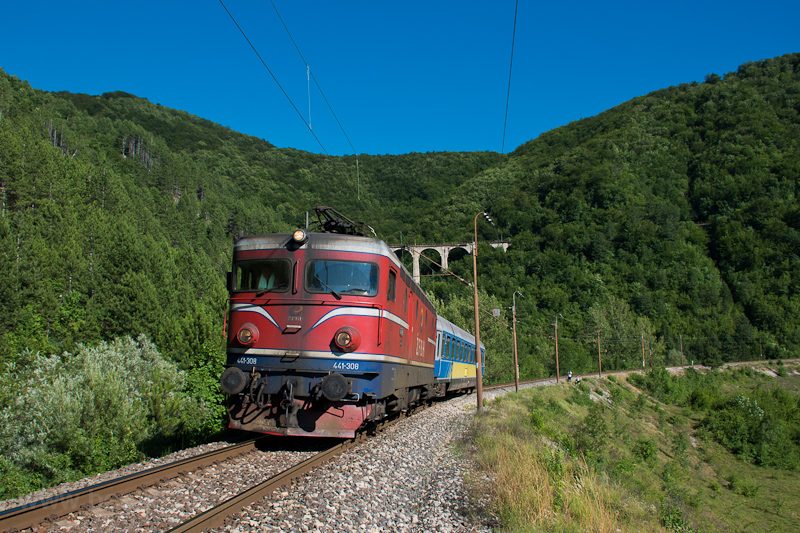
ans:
(335, 294)
(264, 291)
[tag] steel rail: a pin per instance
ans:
(216, 516)
(638, 371)
(50, 509)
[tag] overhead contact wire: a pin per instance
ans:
(313, 78)
(308, 69)
(511, 64)
(273, 77)
(358, 176)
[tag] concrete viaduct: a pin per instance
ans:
(443, 250)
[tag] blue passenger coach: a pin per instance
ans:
(455, 366)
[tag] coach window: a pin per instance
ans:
(268, 275)
(342, 277)
(392, 285)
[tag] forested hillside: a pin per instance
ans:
(673, 216)
(670, 219)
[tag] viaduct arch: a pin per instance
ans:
(443, 250)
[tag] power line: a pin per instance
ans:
(299, 114)
(330, 107)
(508, 95)
(315, 79)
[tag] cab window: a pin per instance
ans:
(343, 277)
(272, 275)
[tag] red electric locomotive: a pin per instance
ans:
(327, 331)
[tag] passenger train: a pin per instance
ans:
(327, 332)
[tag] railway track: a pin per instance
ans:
(45, 513)
(582, 376)
(217, 515)
(50, 509)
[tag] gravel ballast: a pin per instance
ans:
(411, 477)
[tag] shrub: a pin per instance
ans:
(625, 466)
(537, 420)
(743, 487)
(645, 448)
(619, 394)
(737, 425)
(579, 397)
(639, 404)
(98, 409)
(636, 379)
(761, 428)
(593, 432)
(680, 443)
(671, 516)
(704, 398)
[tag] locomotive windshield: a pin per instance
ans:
(342, 277)
(272, 275)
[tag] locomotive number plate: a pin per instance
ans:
(345, 366)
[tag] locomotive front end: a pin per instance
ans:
(308, 352)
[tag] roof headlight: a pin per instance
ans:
(300, 236)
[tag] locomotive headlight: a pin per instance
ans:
(347, 339)
(343, 339)
(247, 335)
(300, 236)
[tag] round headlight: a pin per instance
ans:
(247, 335)
(347, 339)
(343, 339)
(300, 236)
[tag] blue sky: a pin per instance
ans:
(400, 76)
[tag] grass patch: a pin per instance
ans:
(564, 459)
